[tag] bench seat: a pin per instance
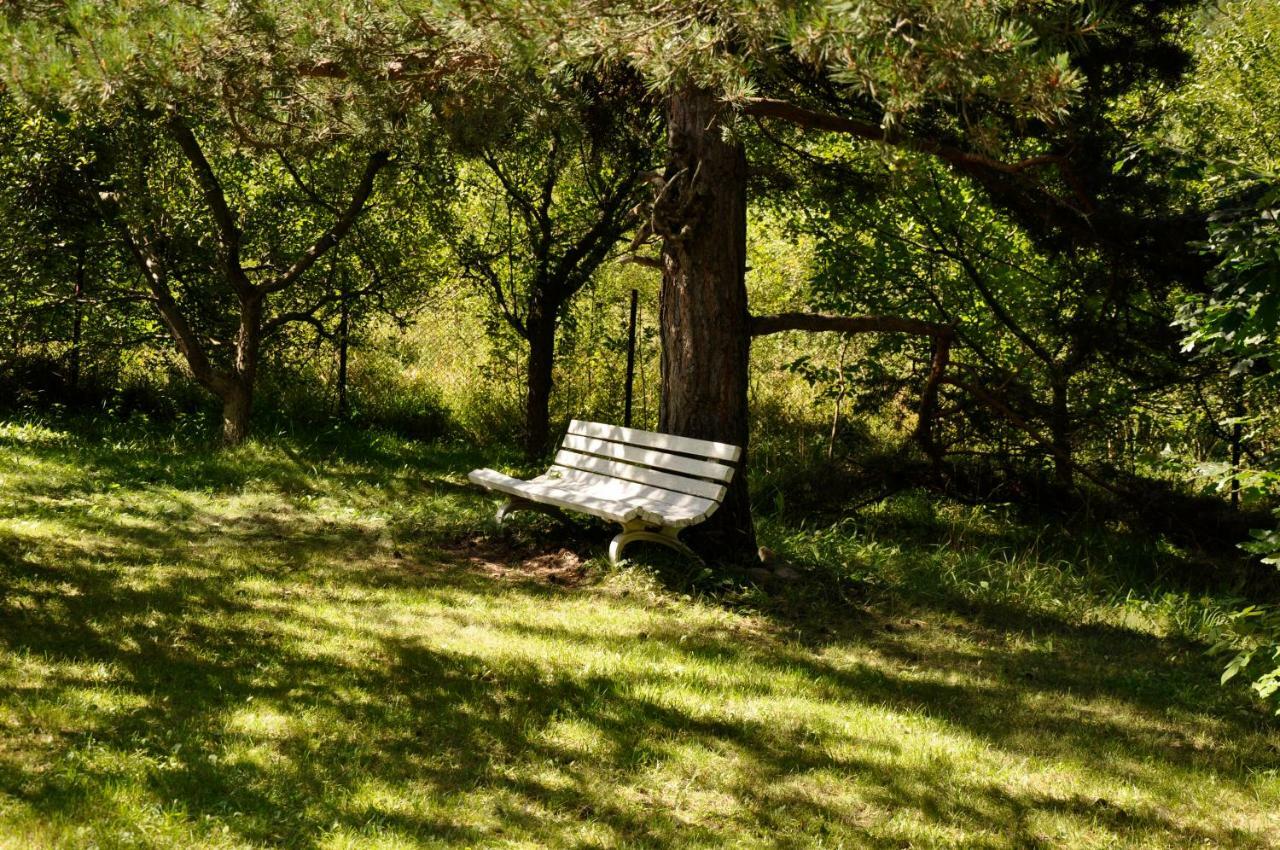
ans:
(599, 495)
(652, 484)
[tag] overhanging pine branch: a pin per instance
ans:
(762, 107)
(419, 67)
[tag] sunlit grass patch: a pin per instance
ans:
(31, 434)
(276, 647)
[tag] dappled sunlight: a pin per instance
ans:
(264, 665)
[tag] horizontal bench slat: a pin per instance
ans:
(599, 495)
(655, 440)
(662, 461)
(644, 475)
(647, 481)
(663, 507)
(549, 493)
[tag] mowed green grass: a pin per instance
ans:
(289, 645)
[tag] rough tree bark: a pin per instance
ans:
(237, 406)
(237, 399)
(702, 217)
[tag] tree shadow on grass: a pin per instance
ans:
(285, 676)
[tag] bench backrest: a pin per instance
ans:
(677, 464)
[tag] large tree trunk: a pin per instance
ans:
(237, 405)
(704, 323)
(540, 326)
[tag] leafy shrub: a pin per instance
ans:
(1252, 635)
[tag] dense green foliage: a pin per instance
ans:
(1232, 143)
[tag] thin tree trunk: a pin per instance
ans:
(1237, 443)
(926, 425)
(344, 336)
(1060, 433)
(541, 327)
(77, 325)
(704, 320)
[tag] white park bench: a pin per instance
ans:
(652, 484)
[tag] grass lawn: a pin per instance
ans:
(288, 645)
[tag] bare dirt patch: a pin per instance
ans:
(503, 560)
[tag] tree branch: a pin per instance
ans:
(481, 268)
(334, 234)
(419, 66)
(942, 336)
(988, 297)
(215, 198)
(306, 190)
(819, 322)
(523, 203)
(575, 266)
(303, 316)
(637, 259)
(308, 314)
(963, 160)
(171, 317)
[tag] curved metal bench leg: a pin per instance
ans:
(668, 537)
(506, 508)
(515, 503)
